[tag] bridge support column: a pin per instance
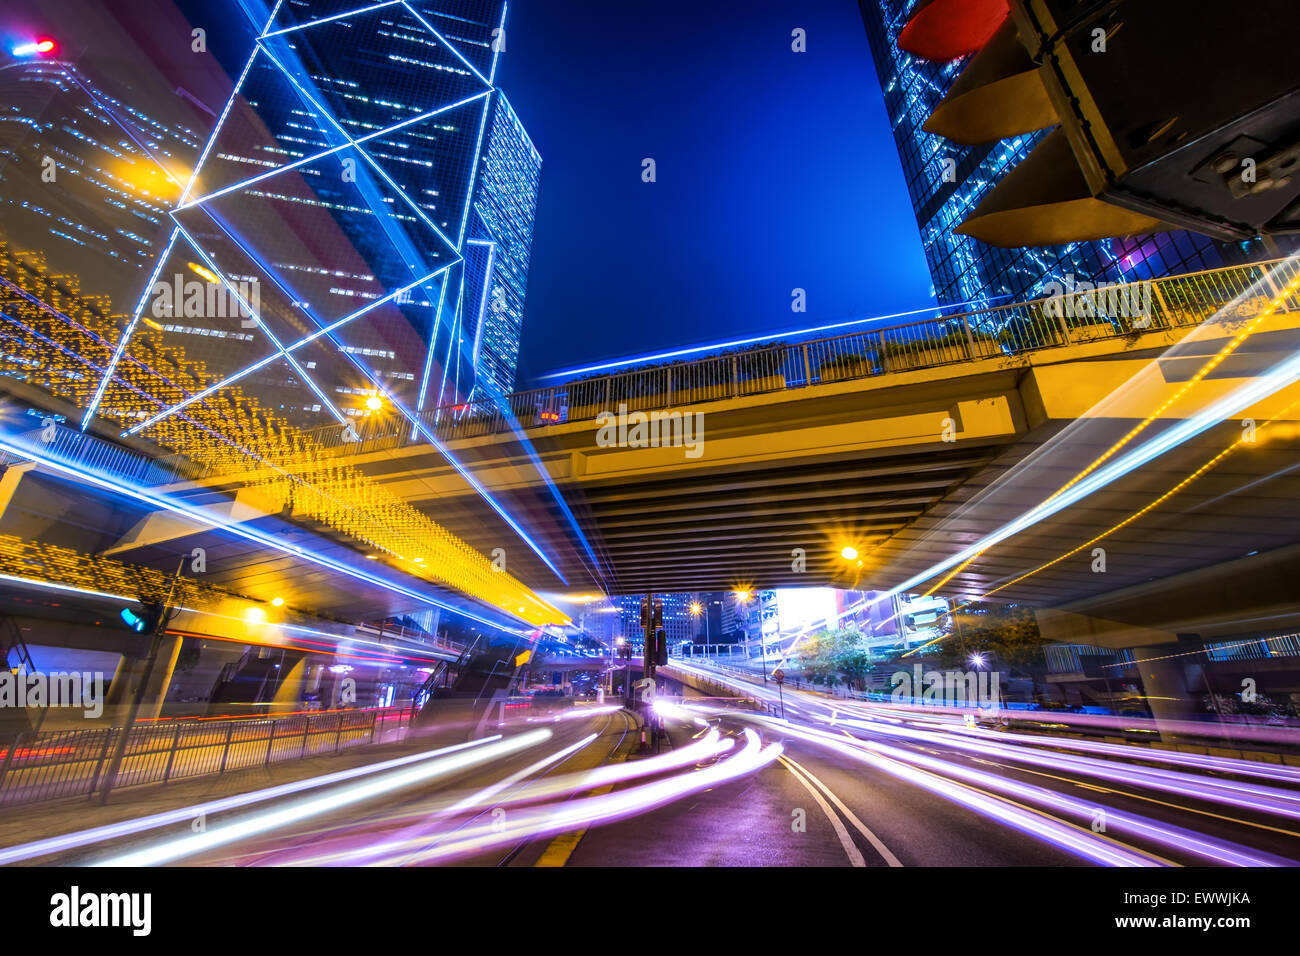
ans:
(126, 681)
(288, 693)
(1162, 656)
(1165, 683)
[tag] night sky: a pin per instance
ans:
(776, 170)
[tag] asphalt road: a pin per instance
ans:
(834, 784)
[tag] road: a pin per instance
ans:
(834, 784)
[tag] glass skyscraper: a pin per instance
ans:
(963, 268)
(87, 172)
(373, 190)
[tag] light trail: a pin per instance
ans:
(80, 838)
(934, 774)
(257, 824)
(590, 811)
(1276, 303)
(564, 786)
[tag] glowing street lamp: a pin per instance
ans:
(849, 553)
(374, 403)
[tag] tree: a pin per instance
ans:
(1008, 632)
(833, 655)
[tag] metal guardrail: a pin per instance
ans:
(1112, 312)
(53, 765)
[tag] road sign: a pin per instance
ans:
(778, 675)
(645, 690)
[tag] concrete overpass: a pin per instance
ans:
(909, 467)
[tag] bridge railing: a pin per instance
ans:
(1077, 315)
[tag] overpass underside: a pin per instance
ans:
(911, 469)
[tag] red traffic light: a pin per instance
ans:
(947, 29)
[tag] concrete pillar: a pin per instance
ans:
(288, 693)
(1165, 683)
(155, 694)
(1163, 656)
(126, 681)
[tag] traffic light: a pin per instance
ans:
(649, 617)
(947, 29)
(1166, 119)
(142, 618)
(661, 648)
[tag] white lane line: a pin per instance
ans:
(850, 848)
(874, 840)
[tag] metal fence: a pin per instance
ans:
(1076, 316)
(59, 764)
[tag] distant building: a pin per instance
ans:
(679, 624)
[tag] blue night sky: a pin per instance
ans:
(776, 170)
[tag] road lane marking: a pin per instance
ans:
(850, 848)
(1155, 800)
(559, 850)
(1002, 798)
(874, 840)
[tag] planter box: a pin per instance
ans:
(844, 371)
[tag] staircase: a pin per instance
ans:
(17, 660)
(445, 676)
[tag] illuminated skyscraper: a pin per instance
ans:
(505, 205)
(373, 186)
(965, 269)
(88, 174)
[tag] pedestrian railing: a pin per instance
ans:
(1075, 317)
(60, 764)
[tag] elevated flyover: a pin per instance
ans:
(909, 444)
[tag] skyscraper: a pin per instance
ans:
(375, 189)
(501, 236)
(965, 269)
(88, 173)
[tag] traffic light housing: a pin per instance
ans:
(142, 618)
(947, 29)
(1149, 138)
(661, 648)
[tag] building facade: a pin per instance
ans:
(367, 198)
(965, 269)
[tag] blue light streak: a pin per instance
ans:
(714, 346)
(153, 499)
